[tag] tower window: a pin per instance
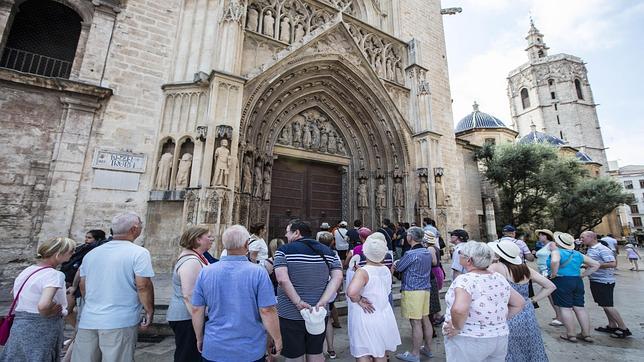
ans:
(556, 107)
(525, 98)
(553, 95)
(43, 39)
(580, 95)
(551, 82)
(558, 122)
(561, 135)
(490, 141)
(540, 53)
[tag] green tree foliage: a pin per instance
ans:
(584, 207)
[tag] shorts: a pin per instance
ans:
(569, 292)
(414, 304)
(602, 293)
(296, 341)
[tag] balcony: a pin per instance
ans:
(27, 62)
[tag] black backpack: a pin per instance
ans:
(70, 267)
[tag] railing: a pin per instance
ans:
(33, 63)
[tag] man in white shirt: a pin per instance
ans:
(510, 233)
(458, 237)
(341, 240)
(612, 243)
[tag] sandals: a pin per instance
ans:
(587, 339)
(571, 339)
(621, 333)
(607, 329)
(332, 354)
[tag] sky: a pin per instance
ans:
(487, 40)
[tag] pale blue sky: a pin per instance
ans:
(487, 40)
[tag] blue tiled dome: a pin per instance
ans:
(583, 157)
(478, 119)
(539, 137)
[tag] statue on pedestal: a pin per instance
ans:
(258, 179)
(269, 24)
(363, 198)
(163, 172)
(285, 30)
(183, 172)
(423, 193)
(247, 176)
(251, 20)
(267, 182)
(222, 156)
(399, 194)
(381, 195)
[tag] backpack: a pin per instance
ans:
(69, 268)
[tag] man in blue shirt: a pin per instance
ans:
(416, 266)
(602, 285)
(241, 305)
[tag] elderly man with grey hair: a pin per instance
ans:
(479, 303)
(241, 305)
(416, 266)
(115, 283)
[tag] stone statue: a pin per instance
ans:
(190, 205)
(285, 30)
(258, 179)
(223, 216)
(378, 65)
(163, 173)
(307, 138)
(423, 193)
(341, 149)
(267, 183)
(390, 69)
(324, 140)
(333, 146)
(363, 199)
(297, 134)
(269, 24)
(299, 32)
(183, 172)
(399, 195)
(251, 19)
(315, 136)
(247, 176)
(381, 195)
(440, 192)
(222, 156)
(285, 136)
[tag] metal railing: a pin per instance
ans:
(33, 63)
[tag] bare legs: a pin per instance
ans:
(614, 318)
(307, 358)
(584, 320)
(420, 328)
(329, 335)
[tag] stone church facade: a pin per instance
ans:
(216, 112)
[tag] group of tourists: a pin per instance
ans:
(265, 299)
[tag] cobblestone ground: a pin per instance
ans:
(629, 298)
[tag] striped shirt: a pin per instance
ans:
(416, 266)
(602, 254)
(307, 271)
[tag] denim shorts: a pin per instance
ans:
(569, 292)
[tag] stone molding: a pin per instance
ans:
(55, 84)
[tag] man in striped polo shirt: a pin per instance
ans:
(308, 274)
(416, 266)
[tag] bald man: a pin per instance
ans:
(602, 285)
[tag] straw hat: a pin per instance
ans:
(545, 231)
(375, 247)
(564, 240)
(429, 238)
(507, 250)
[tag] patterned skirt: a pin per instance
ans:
(34, 338)
(434, 300)
(525, 343)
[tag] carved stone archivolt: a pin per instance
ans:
(312, 131)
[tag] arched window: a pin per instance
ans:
(580, 95)
(525, 98)
(540, 53)
(551, 81)
(43, 39)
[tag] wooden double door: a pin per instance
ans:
(306, 190)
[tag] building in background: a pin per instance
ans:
(631, 177)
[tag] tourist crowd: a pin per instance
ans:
(265, 299)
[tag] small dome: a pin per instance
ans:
(478, 119)
(539, 137)
(583, 157)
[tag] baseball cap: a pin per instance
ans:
(460, 233)
(343, 224)
(508, 229)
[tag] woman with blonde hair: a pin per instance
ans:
(40, 306)
(195, 241)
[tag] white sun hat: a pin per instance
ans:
(314, 320)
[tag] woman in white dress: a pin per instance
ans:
(372, 325)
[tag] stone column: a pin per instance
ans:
(232, 37)
(5, 21)
(66, 167)
(490, 222)
(97, 45)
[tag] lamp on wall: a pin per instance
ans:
(202, 133)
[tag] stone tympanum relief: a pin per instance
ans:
(222, 164)
(164, 172)
(183, 172)
(312, 131)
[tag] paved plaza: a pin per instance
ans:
(629, 298)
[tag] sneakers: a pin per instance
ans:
(407, 356)
(621, 333)
(556, 323)
(426, 352)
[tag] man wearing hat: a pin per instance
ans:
(458, 237)
(341, 239)
(510, 233)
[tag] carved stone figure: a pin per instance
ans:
(363, 198)
(163, 173)
(251, 19)
(324, 140)
(258, 179)
(269, 24)
(267, 182)
(378, 65)
(381, 195)
(390, 69)
(399, 195)
(440, 192)
(299, 32)
(297, 134)
(225, 200)
(341, 149)
(333, 146)
(285, 30)
(285, 136)
(247, 176)
(307, 137)
(423, 193)
(212, 207)
(315, 136)
(190, 205)
(222, 160)
(183, 172)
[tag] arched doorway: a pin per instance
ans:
(322, 114)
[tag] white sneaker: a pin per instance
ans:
(556, 323)
(408, 356)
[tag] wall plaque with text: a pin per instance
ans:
(119, 161)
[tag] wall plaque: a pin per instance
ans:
(119, 161)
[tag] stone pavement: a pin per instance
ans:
(629, 298)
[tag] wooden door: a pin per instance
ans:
(306, 190)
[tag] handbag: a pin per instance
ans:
(7, 321)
